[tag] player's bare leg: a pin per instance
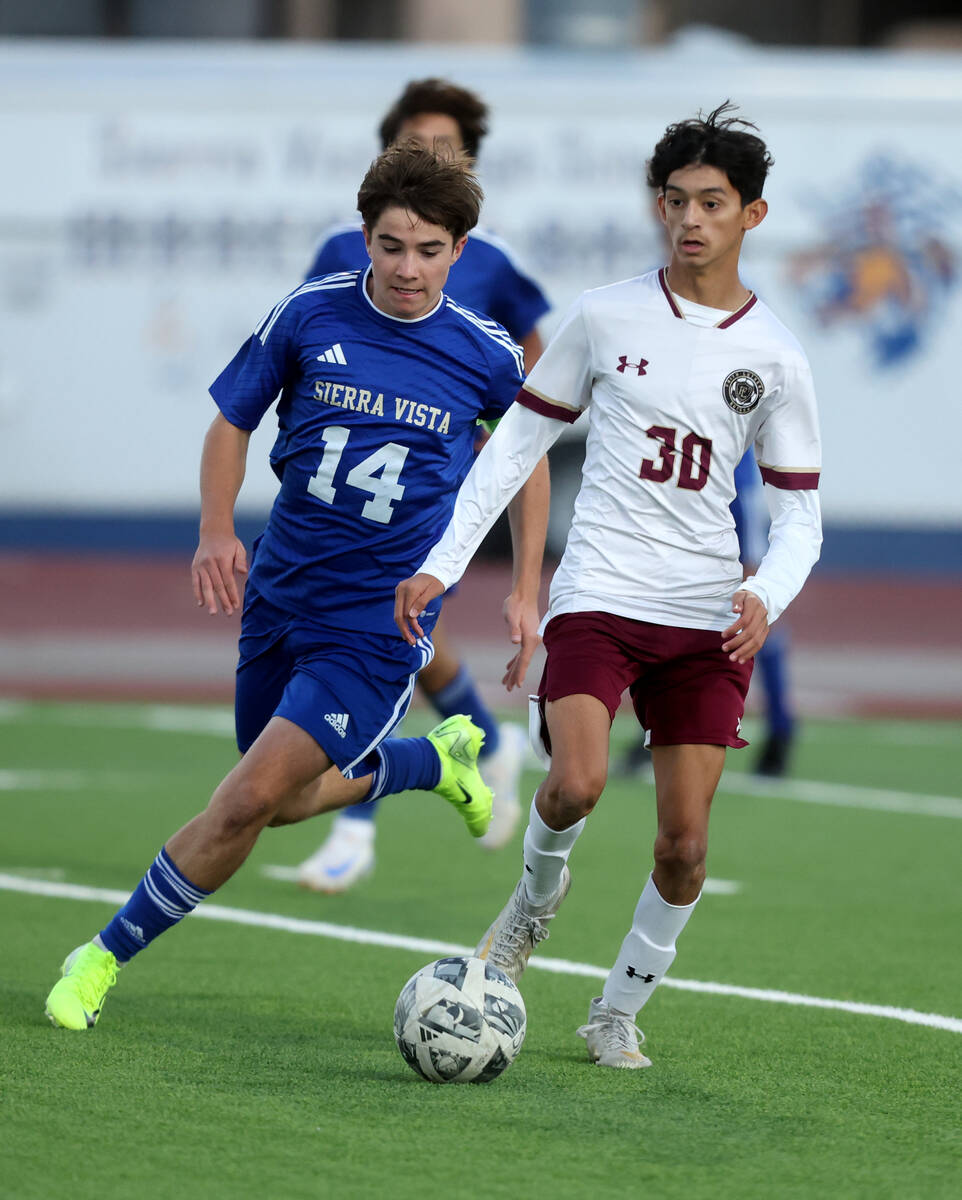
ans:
(281, 762)
(197, 859)
(326, 794)
(685, 780)
(579, 727)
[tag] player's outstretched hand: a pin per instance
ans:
(411, 598)
(521, 617)
(746, 635)
(219, 559)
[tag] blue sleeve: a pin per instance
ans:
(746, 473)
(507, 376)
(520, 303)
(251, 381)
(340, 252)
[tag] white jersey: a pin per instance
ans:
(672, 407)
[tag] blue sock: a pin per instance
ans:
(461, 696)
(405, 763)
(771, 660)
(161, 899)
(364, 810)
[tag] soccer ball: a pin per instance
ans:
(459, 1020)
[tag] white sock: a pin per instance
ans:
(545, 854)
(647, 952)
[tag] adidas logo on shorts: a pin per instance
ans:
(338, 722)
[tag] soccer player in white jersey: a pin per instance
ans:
(381, 382)
(680, 371)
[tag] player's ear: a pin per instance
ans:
(458, 247)
(660, 206)
(755, 213)
(367, 239)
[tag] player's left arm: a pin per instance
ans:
(532, 346)
(528, 517)
(788, 450)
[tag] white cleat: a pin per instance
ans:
(345, 857)
(501, 771)
(518, 928)
(612, 1038)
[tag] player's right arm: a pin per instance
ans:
(243, 392)
(555, 393)
(220, 556)
(510, 455)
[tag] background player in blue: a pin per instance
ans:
(382, 379)
(486, 278)
(751, 525)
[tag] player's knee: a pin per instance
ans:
(240, 806)
(567, 798)
(681, 854)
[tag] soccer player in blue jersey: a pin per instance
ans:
(382, 379)
(487, 278)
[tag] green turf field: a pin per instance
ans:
(238, 1060)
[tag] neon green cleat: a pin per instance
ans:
(458, 741)
(76, 999)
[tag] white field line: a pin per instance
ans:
(711, 886)
(29, 780)
(844, 795)
(557, 966)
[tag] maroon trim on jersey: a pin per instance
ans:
(728, 321)
(738, 313)
(546, 408)
(663, 280)
(790, 481)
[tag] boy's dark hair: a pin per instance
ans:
(440, 190)
(714, 142)
(438, 96)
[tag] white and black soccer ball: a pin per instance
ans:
(459, 1020)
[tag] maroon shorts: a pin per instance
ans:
(684, 688)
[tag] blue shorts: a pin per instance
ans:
(349, 690)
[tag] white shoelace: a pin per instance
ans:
(619, 1033)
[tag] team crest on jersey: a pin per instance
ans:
(742, 391)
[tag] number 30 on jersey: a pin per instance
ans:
(695, 456)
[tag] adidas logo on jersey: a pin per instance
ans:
(333, 355)
(338, 722)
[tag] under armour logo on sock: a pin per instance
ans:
(633, 974)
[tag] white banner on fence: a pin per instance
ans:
(158, 199)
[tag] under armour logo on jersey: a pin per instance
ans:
(338, 722)
(624, 364)
(633, 974)
(333, 355)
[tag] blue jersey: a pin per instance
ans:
(485, 277)
(377, 419)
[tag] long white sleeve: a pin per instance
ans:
(505, 462)
(794, 542)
